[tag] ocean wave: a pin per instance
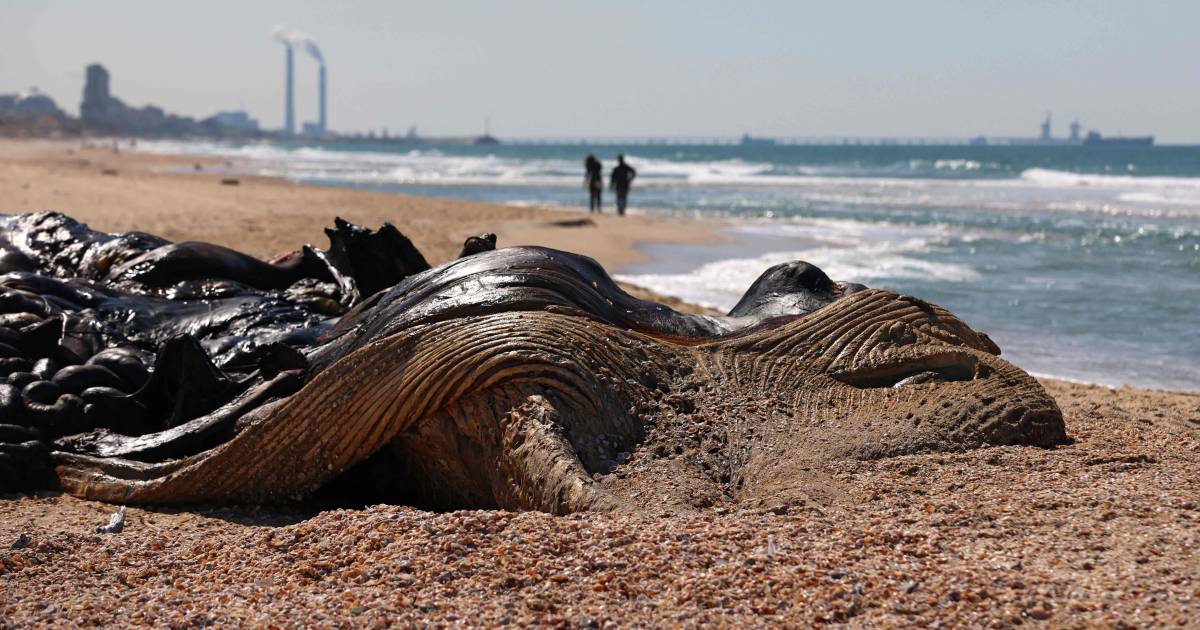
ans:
(957, 165)
(1050, 177)
(431, 166)
(742, 186)
(720, 284)
(857, 233)
(1188, 197)
(734, 169)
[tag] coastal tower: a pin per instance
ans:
(1045, 136)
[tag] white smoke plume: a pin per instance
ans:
(311, 46)
(281, 33)
(295, 38)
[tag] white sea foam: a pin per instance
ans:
(848, 233)
(1048, 177)
(721, 284)
(871, 253)
(1186, 197)
(699, 171)
(957, 165)
(1036, 189)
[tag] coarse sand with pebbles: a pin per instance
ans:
(1103, 532)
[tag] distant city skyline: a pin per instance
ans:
(670, 68)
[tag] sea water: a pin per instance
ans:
(1081, 262)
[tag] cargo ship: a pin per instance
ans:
(751, 141)
(1095, 139)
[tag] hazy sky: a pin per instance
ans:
(615, 68)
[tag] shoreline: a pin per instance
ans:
(267, 216)
(181, 197)
(714, 272)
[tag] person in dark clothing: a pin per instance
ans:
(593, 180)
(622, 179)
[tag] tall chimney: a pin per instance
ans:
(321, 104)
(290, 111)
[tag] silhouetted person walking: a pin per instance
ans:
(593, 180)
(622, 179)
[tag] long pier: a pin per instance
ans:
(756, 141)
(736, 140)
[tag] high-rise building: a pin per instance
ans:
(96, 96)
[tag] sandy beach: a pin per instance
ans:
(1102, 532)
(168, 196)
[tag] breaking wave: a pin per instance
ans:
(936, 183)
(876, 254)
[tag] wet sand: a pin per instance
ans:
(1103, 532)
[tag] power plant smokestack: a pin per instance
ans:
(290, 107)
(321, 115)
(291, 39)
(310, 46)
(286, 37)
